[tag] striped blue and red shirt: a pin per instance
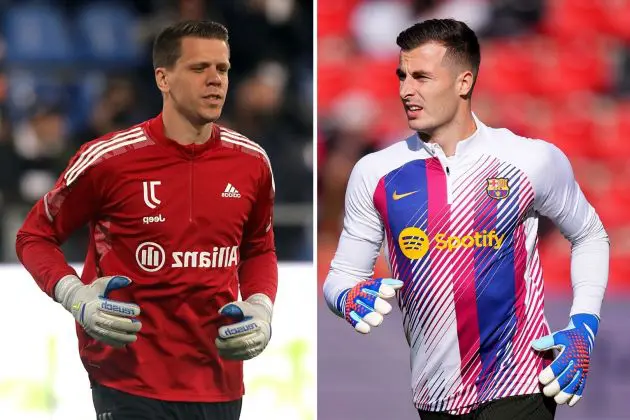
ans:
(461, 232)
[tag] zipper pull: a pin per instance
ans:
(448, 171)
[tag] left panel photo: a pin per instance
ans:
(156, 192)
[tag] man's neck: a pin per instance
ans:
(182, 130)
(448, 136)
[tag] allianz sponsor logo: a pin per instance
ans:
(151, 257)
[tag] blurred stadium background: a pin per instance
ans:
(73, 70)
(552, 69)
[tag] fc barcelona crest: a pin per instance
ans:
(498, 188)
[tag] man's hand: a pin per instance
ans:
(250, 333)
(363, 306)
(565, 378)
(109, 321)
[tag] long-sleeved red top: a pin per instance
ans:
(188, 224)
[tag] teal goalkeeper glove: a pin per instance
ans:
(109, 321)
(251, 332)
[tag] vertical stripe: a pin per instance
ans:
(495, 283)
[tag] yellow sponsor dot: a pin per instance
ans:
(413, 242)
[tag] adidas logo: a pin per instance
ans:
(230, 192)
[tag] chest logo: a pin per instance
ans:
(148, 190)
(150, 256)
(397, 196)
(230, 192)
(498, 188)
(413, 242)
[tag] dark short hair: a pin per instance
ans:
(462, 45)
(167, 45)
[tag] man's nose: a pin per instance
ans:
(212, 77)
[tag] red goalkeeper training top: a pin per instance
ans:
(188, 224)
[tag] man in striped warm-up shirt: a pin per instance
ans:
(180, 217)
(457, 207)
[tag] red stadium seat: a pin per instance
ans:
(571, 19)
(333, 17)
(617, 13)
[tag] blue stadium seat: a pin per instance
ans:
(28, 89)
(107, 34)
(36, 34)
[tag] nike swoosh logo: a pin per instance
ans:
(399, 196)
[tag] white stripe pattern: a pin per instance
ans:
(435, 284)
(233, 137)
(98, 149)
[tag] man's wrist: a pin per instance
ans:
(66, 289)
(264, 302)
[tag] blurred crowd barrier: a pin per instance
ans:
(73, 70)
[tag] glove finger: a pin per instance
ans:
(114, 307)
(382, 306)
(241, 354)
(388, 287)
(111, 322)
(251, 340)
(567, 392)
(561, 381)
(359, 325)
(544, 343)
(574, 400)
(115, 336)
(115, 283)
(546, 376)
(373, 319)
(240, 328)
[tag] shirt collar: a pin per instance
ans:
(155, 129)
(463, 147)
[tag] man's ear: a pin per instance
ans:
(161, 79)
(465, 82)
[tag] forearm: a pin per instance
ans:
(44, 260)
(259, 274)
(354, 262)
(589, 270)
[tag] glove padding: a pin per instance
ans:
(363, 306)
(251, 332)
(109, 321)
(565, 378)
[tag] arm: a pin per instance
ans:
(49, 223)
(70, 204)
(349, 284)
(560, 199)
(249, 335)
(258, 270)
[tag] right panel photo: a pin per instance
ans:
(473, 222)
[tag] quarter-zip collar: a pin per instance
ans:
(463, 147)
(155, 129)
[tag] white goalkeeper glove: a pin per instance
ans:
(109, 321)
(249, 336)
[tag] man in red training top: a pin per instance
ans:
(180, 216)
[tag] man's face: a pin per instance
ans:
(198, 82)
(427, 87)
